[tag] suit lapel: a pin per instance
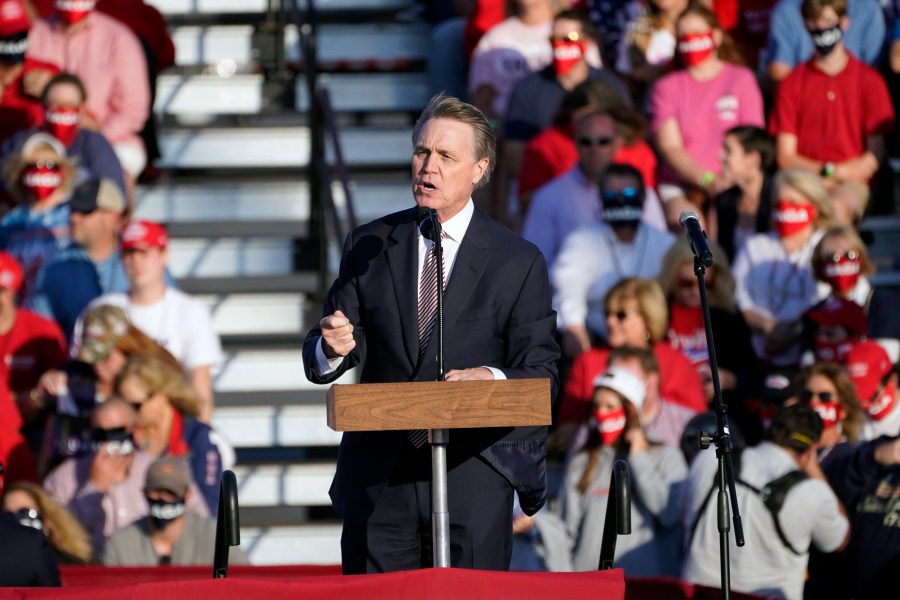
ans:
(402, 255)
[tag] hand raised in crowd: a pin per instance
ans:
(35, 80)
(52, 383)
(109, 468)
(888, 453)
(337, 335)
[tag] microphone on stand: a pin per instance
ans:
(427, 222)
(697, 237)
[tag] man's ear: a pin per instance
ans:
(479, 169)
(844, 23)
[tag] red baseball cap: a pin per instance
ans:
(143, 235)
(10, 272)
(840, 312)
(13, 18)
(867, 364)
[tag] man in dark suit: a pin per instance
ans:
(498, 325)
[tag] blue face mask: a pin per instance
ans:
(826, 40)
(622, 208)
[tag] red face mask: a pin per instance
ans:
(62, 123)
(842, 274)
(41, 181)
(790, 218)
(74, 11)
(610, 425)
(695, 48)
(832, 351)
(830, 412)
(883, 403)
(566, 55)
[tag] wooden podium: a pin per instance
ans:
(439, 406)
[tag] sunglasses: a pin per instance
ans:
(809, 395)
(620, 315)
(587, 142)
(627, 195)
(40, 164)
(572, 36)
(849, 254)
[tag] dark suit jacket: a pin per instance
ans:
(25, 558)
(497, 313)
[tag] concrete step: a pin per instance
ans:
(258, 314)
(192, 94)
(262, 370)
(370, 46)
(272, 398)
(250, 201)
(304, 282)
(304, 545)
(279, 147)
(230, 257)
(218, 7)
(268, 426)
(292, 485)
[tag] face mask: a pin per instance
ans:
(74, 11)
(623, 209)
(789, 218)
(162, 512)
(566, 55)
(843, 274)
(695, 48)
(62, 123)
(832, 351)
(831, 413)
(113, 441)
(29, 518)
(883, 404)
(610, 425)
(825, 40)
(41, 181)
(13, 48)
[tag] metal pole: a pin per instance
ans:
(440, 512)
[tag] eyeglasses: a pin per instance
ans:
(620, 315)
(626, 195)
(572, 36)
(587, 142)
(809, 395)
(41, 164)
(849, 254)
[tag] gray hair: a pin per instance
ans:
(442, 106)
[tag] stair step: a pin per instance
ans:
(242, 229)
(300, 485)
(257, 314)
(261, 426)
(278, 147)
(278, 200)
(285, 455)
(260, 284)
(278, 399)
(230, 257)
(210, 94)
(378, 45)
(218, 7)
(270, 370)
(303, 545)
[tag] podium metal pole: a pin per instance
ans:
(440, 513)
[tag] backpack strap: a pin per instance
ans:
(773, 496)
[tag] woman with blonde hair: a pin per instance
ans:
(775, 280)
(617, 432)
(40, 178)
(168, 408)
(636, 316)
(738, 368)
(33, 507)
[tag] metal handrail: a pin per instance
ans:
(228, 526)
(618, 513)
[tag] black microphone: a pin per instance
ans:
(697, 237)
(427, 222)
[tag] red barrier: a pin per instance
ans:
(434, 584)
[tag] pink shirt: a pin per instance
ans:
(705, 110)
(108, 58)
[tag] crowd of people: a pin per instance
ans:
(772, 120)
(106, 398)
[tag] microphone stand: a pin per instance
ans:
(439, 438)
(722, 440)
